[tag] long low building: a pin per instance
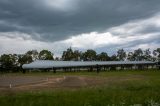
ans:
(48, 64)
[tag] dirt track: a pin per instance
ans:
(33, 82)
(17, 83)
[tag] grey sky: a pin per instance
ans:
(63, 22)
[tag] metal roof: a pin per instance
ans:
(60, 64)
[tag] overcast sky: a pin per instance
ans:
(103, 25)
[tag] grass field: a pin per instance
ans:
(114, 88)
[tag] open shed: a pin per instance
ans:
(90, 65)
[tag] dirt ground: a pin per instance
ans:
(21, 83)
(39, 82)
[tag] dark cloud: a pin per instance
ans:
(35, 17)
(149, 29)
(112, 49)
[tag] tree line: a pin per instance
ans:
(14, 62)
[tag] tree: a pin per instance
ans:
(103, 57)
(57, 59)
(89, 55)
(147, 55)
(130, 56)
(0, 64)
(156, 54)
(8, 61)
(121, 55)
(25, 59)
(68, 55)
(138, 54)
(113, 58)
(77, 55)
(45, 55)
(28, 57)
(33, 53)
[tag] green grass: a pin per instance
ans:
(140, 92)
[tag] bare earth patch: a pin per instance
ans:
(22, 83)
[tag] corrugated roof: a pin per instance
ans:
(56, 64)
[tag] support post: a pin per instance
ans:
(24, 71)
(54, 70)
(97, 68)
(91, 69)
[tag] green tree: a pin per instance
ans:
(34, 54)
(77, 55)
(147, 55)
(28, 57)
(138, 54)
(121, 55)
(68, 55)
(24, 59)
(89, 55)
(45, 55)
(130, 56)
(103, 57)
(113, 58)
(156, 54)
(57, 59)
(0, 64)
(8, 61)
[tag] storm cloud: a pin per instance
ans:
(103, 23)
